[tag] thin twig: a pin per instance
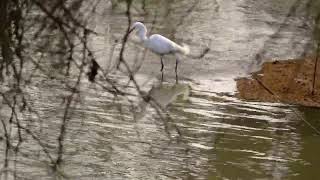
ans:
(315, 70)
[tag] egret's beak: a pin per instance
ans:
(131, 29)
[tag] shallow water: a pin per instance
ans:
(221, 137)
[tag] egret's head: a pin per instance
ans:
(138, 26)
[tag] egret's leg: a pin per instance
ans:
(176, 69)
(161, 69)
(161, 64)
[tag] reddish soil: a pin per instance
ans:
(289, 81)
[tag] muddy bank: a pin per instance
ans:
(289, 81)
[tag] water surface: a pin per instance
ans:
(221, 137)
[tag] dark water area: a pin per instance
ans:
(221, 137)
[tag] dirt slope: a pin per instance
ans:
(289, 81)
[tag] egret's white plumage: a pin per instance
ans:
(162, 45)
(159, 44)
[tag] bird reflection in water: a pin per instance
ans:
(163, 95)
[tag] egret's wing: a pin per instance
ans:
(160, 44)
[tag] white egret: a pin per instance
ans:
(159, 45)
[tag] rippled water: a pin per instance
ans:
(222, 137)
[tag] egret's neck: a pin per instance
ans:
(142, 33)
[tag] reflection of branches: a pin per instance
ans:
(20, 127)
(260, 54)
(15, 44)
(7, 145)
(278, 100)
(31, 45)
(68, 104)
